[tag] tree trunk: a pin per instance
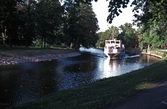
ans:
(148, 48)
(43, 42)
(10, 41)
(77, 44)
(3, 38)
(26, 42)
(71, 45)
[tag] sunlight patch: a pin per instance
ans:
(144, 86)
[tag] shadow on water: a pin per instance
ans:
(80, 67)
(23, 82)
(28, 81)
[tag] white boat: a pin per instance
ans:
(114, 48)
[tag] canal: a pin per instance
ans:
(22, 82)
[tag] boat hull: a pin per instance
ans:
(117, 55)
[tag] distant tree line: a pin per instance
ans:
(44, 23)
(126, 33)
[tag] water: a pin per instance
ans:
(28, 81)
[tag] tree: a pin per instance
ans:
(89, 27)
(29, 21)
(128, 35)
(25, 22)
(13, 15)
(8, 19)
(110, 33)
(151, 9)
(153, 24)
(115, 7)
(49, 20)
(151, 38)
(81, 25)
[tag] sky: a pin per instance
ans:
(101, 10)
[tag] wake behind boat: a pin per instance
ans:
(114, 49)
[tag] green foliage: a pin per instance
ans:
(152, 22)
(14, 20)
(151, 36)
(8, 17)
(114, 8)
(128, 35)
(81, 25)
(110, 33)
(48, 20)
(27, 26)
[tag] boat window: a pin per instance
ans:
(112, 42)
(117, 42)
(107, 42)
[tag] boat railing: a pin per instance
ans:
(111, 49)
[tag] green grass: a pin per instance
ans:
(30, 48)
(102, 93)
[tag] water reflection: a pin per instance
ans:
(111, 68)
(119, 67)
(28, 81)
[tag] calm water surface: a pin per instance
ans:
(27, 81)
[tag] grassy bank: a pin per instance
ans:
(103, 93)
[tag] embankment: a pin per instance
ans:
(158, 54)
(16, 58)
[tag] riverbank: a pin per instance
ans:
(156, 53)
(159, 53)
(17, 56)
